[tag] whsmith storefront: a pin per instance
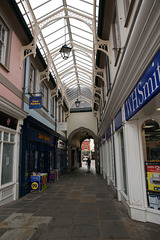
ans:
(139, 122)
(39, 144)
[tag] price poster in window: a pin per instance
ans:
(153, 175)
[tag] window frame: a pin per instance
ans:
(2, 142)
(62, 115)
(108, 79)
(31, 87)
(44, 104)
(6, 62)
(116, 36)
(59, 113)
(52, 105)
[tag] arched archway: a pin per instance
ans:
(75, 140)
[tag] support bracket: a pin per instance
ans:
(101, 45)
(44, 75)
(30, 48)
(99, 72)
(26, 51)
(95, 113)
(53, 93)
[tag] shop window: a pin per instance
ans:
(113, 160)
(27, 165)
(5, 43)
(42, 162)
(151, 141)
(12, 137)
(7, 148)
(32, 152)
(128, 7)
(44, 91)
(36, 161)
(51, 157)
(151, 150)
(6, 135)
(7, 163)
(116, 37)
(122, 162)
(109, 158)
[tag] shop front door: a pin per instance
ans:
(44, 164)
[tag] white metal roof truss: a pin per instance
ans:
(74, 22)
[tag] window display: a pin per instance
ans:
(27, 165)
(151, 147)
(7, 163)
(7, 157)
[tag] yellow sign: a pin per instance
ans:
(153, 174)
(34, 185)
(41, 136)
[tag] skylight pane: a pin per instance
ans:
(79, 31)
(54, 35)
(88, 8)
(44, 9)
(80, 24)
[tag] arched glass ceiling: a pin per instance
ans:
(73, 22)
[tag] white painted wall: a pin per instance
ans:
(82, 119)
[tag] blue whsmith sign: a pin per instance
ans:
(145, 90)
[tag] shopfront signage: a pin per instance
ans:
(62, 126)
(145, 90)
(44, 137)
(118, 120)
(35, 102)
(61, 144)
(153, 176)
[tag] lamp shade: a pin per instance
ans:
(65, 51)
(77, 103)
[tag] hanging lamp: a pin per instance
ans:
(77, 102)
(65, 50)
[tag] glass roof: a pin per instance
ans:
(54, 23)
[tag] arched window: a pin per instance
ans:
(151, 141)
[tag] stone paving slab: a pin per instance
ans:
(89, 220)
(37, 222)
(80, 206)
(18, 234)
(56, 233)
(16, 220)
(85, 232)
(112, 230)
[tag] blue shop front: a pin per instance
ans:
(39, 145)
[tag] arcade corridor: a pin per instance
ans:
(80, 206)
(72, 70)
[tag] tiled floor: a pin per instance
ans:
(79, 206)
